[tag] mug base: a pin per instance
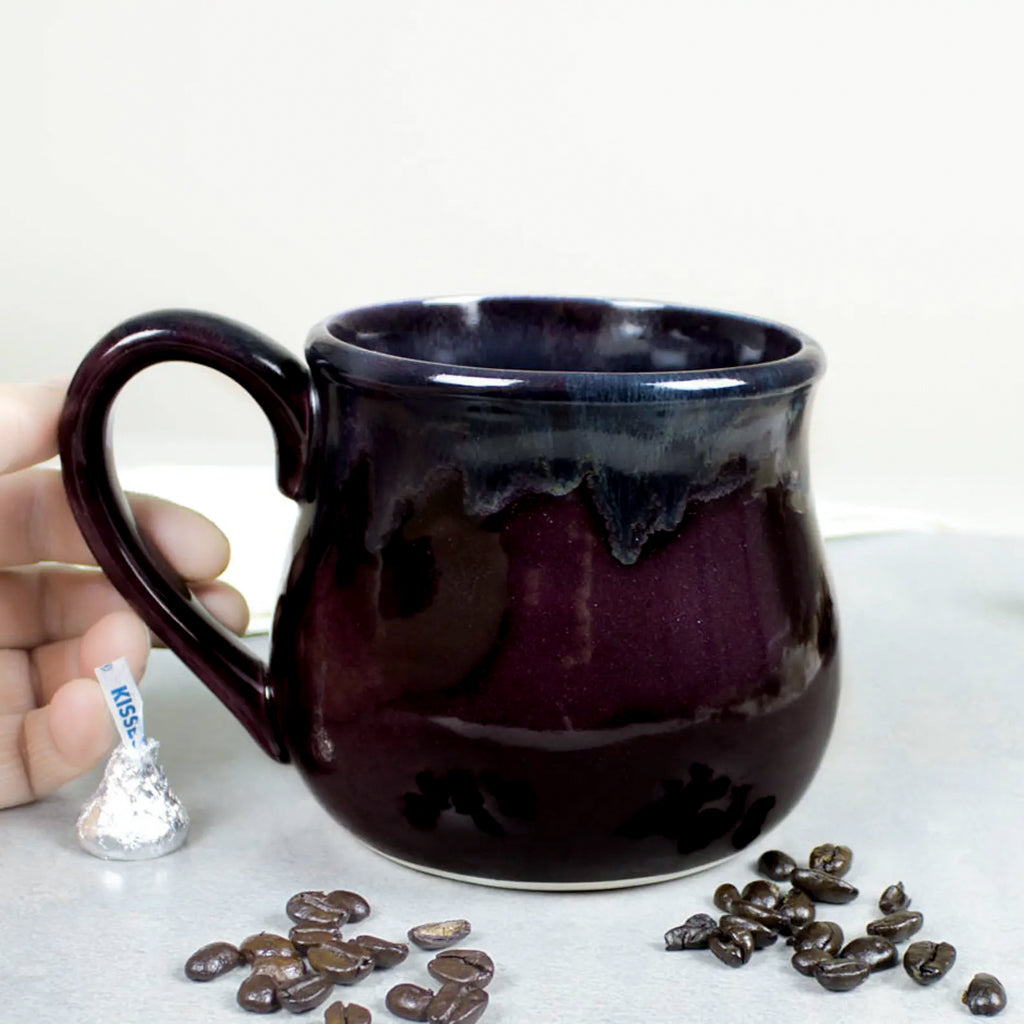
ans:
(502, 883)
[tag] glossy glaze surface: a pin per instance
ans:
(549, 630)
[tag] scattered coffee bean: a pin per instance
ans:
(266, 944)
(841, 975)
(724, 896)
(463, 966)
(344, 963)
(874, 951)
(898, 927)
(822, 886)
(805, 960)
(693, 933)
(754, 918)
(456, 1004)
(258, 994)
(755, 912)
(438, 934)
(280, 969)
(985, 996)
(926, 962)
(350, 1013)
(313, 907)
(797, 910)
(212, 961)
(826, 935)
(894, 898)
(834, 860)
(762, 936)
(384, 953)
(409, 1002)
(305, 936)
(306, 993)
(776, 864)
(765, 894)
(354, 906)
(734, 949)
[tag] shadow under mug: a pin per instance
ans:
(557, 613)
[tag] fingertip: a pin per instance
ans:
(121, 634)
(193, 544)
(28, 424)
(225, 604)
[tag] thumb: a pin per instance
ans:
(59, 742)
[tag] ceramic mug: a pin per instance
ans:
(557, 614)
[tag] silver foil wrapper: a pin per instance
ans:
(133, 815)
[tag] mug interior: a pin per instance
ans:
(563, 335)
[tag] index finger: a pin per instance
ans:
(28, 423)
(37, 525)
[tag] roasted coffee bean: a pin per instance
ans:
(409, 1002)
(354, 906)
(898, 927)
(734, 949)
(762, 936)
(826, 935)
(926, 962)
(438, 934)
(304, 936)
(347, 1013)
(280, 969)
(456, 1004)
(344, 963)
(463, 966)
(797, 908)
(841, 975)
(313, 907)
(805, 960)
(874, 951)
(258, 994)
(384, 953)
(765, 894)
(266, 944)
(724, 896)
(834, 860)
(776, 864)
(307, 993)
(693, 933)
(212, 961)
(755, 912)
(985, 996)
(894, 898)
(822, 886)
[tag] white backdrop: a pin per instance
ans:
(852, 169)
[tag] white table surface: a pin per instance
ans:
(924, 779)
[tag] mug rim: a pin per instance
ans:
(332, 344)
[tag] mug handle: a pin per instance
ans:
(281, 386)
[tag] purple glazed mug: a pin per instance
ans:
(557, 613)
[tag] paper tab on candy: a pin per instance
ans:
(133, 815)
(124, 700)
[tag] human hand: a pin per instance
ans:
(58, 621)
